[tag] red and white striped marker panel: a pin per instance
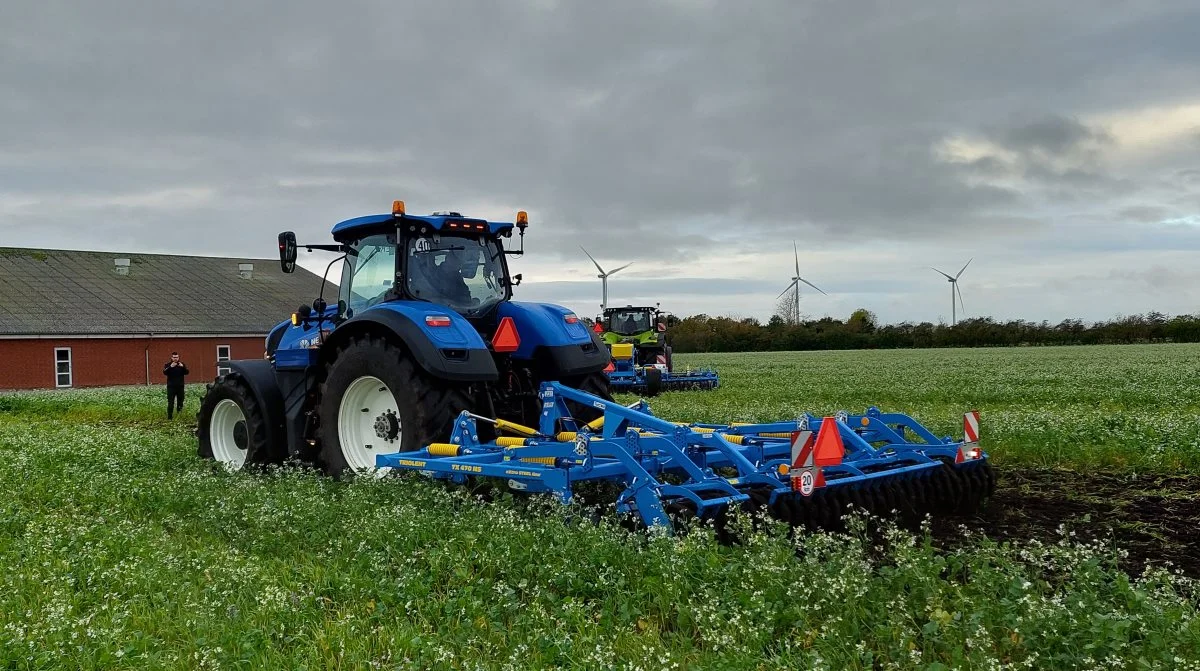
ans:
(802, 449)
(971, 426)
(661, 358)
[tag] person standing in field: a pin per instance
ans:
(175, 370)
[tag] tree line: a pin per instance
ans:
(702, 333)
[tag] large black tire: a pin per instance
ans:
(595, 384)
(249, 433)
(654, 382)
(426, 406)
(670, 361)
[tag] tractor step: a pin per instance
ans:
(806, 470)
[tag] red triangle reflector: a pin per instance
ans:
(506, 338)
(829, 449)
(609, 368)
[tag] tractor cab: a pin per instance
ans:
(443, 258)
(629, 320)
(643, 324)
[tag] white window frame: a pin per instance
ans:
(70, 369)
(224, 370)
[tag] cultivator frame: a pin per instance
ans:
(670, 470)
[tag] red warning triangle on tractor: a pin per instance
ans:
(506, 338)
(829, 448)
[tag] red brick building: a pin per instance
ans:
(84, 319)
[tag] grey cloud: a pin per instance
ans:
(1053, 134)
(646, 130)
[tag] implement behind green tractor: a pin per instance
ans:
(642, 359)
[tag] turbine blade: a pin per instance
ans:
(789, 288)
(796, 251)
(593, 260)
(943, 274)
(811, 284)
(964, 267)
(612, 272)
(960, 300)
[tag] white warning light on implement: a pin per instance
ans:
(969, 450)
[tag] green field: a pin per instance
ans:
(120, 549)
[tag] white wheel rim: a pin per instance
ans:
(224, 432)
(368, 423)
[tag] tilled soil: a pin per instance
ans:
(1154, 518)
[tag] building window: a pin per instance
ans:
(62, 367)
(222, 355)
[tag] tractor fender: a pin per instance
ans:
(555, 338)
(259, 374)
(455, 352)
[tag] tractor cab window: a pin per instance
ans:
(629, 322)
(369, 272)
(463, 273)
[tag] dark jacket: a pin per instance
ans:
(175, 375)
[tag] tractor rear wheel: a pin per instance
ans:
(376, 400)
(232, 426)
(595, 384)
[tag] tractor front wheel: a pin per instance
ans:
(376, 400)
(232, 426)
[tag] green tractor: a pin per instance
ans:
(642, 363)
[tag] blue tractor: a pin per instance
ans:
(424, 326)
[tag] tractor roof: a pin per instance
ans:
(627, 308)
(448, 221)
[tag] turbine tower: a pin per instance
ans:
(796, 280)
(604, 279)
(953, 288)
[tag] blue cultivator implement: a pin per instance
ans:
(806, 471)
(626, 375)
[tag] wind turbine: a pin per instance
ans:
(796, 282)
(954, 287)
(604, 278)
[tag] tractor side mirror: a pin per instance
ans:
(287, 251)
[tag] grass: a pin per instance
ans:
(121, 550)
(1120, 406)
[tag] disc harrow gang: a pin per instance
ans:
(808, 471)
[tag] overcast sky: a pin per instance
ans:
(1056, 143)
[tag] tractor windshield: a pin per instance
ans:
(461, 272)
(629, 322)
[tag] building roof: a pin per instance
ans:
(66, 292)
